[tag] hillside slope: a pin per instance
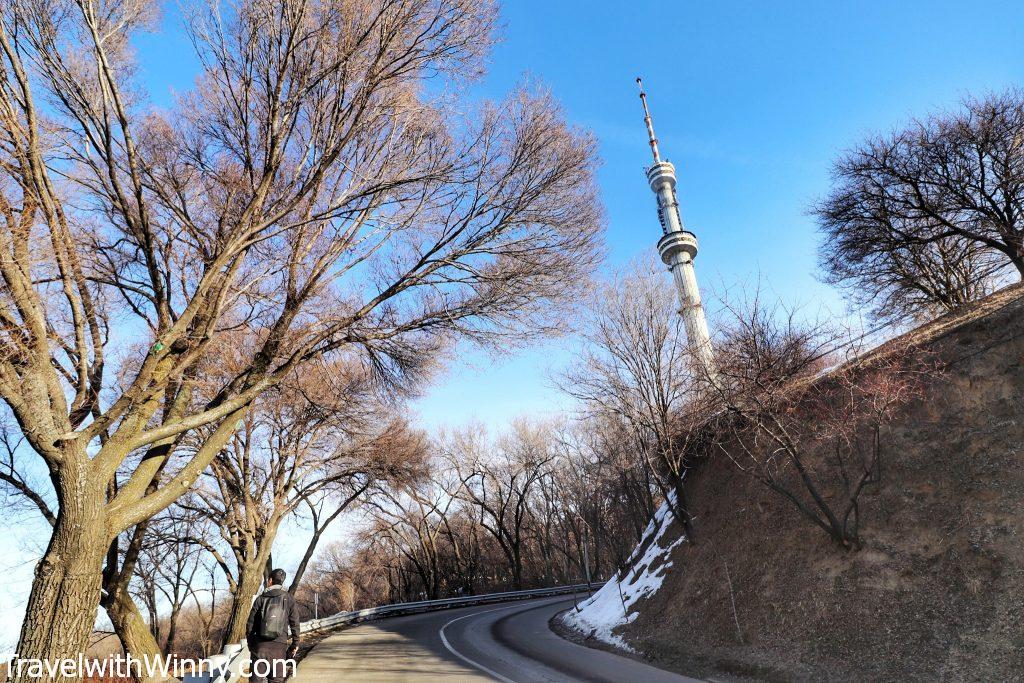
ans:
(936, 593)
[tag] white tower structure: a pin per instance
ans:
(678, 248)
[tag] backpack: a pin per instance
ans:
(274, 617)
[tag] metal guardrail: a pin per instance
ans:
(398, 609)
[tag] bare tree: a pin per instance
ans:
(325, 509)
(199, 619)
(207, 610)
(929, 217)
(412, 520)
(605, 498)
(309, 196)
(314, 435)
(500, 483)
(346, 578)
(537, 503)
(168, 570)
(813, 437)
(637, 370)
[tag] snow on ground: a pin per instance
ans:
(612, 606)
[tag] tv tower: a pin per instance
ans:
(678, 248)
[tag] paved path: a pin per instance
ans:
(504, 642)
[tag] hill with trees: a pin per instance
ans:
(931, 587)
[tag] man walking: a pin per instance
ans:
(273, 615)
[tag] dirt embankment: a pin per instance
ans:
(936, 593)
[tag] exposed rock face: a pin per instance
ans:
(936, 593)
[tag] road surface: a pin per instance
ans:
(508, 642)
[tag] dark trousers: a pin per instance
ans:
(273, 655)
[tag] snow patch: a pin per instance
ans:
(611, 606)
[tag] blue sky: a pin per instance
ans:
(751, 100)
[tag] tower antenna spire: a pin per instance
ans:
(649, 122)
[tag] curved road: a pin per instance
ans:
(509, 642)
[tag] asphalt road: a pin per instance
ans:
(504, 642)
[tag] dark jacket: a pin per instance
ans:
(252, 627)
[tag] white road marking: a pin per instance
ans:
(463, 657)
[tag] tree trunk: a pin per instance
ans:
(517, 569)
(131, 628)
(250, 580)
(549, 570)
(172, 630)
(61, 609)
(304, 563)
(137, 638)
(318, 531)
(681, 508)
